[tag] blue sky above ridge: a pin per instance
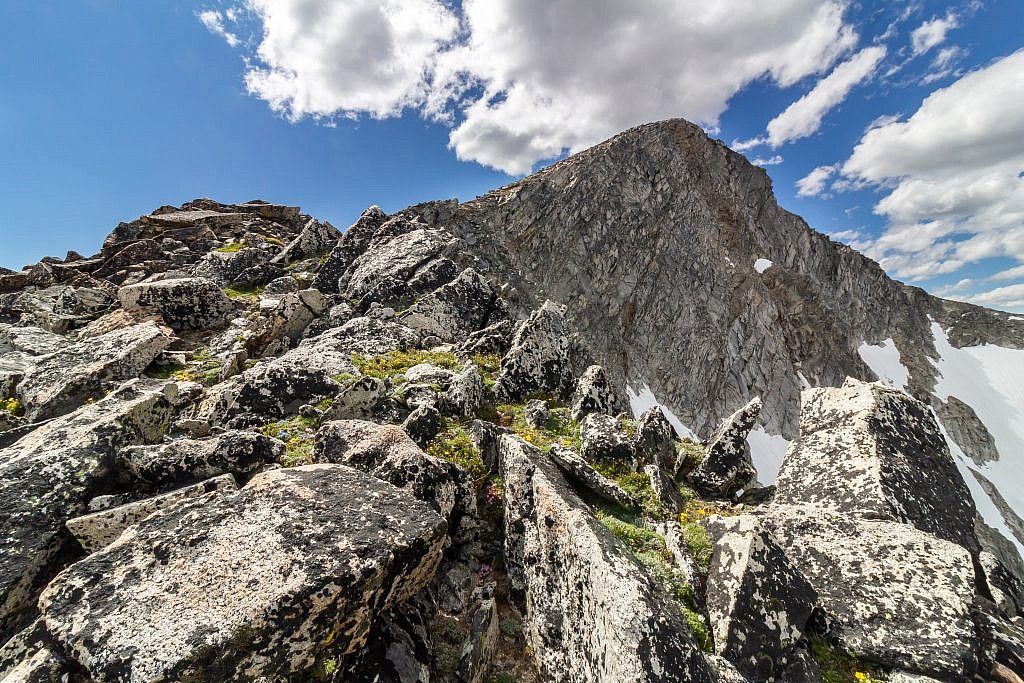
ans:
(898, 129)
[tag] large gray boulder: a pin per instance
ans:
(49, 475)
(188, 460)
(314, 238)
(894, 594)
(872, 451)
(184, 303)
(727, 467)
(601, 441)
(35, 341)
(592, 613)
(349, 246)
(454, 310)
(64, 380)
(288, 571)
(758, 603)
(466, 393)
(539, 358)
(654, 439)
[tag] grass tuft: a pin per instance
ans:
(398, 362)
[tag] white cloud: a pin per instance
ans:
(523, 80)
(1009, 298)
(214, 22)
(1014, 273)
(813, 184)
(770, 161)
(953, 171)
(803, 117)
(931, 33)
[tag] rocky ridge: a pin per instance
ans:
(238, 444)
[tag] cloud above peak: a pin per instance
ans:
(521, 81)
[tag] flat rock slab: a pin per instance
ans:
(897, 595)
(592, 613)
(49, 475)
(872, 451)
(263, 582)
(100, 529)
(62, 381)
(188, 303)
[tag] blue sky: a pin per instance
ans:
(110, 109)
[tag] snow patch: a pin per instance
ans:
(990, 379)
(639, 402)
(884, 361)
(767, 451)
(762, 264)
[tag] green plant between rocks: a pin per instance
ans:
(231, 248)
(297, 433)
(396, 363)
(842, 667)
(454, 445)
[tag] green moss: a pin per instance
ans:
(297, 433)
(650, 550)
(325, 669)
(344, 378)
(636, 484)
(842, 667)
(628, 426)
(560, 428)
(201, 366)
(231, 248)
(698, 544)
(510, 627)
(249, 295)
(170, 371)
(455, 445)
(399, 362)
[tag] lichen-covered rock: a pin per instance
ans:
(64, 380)
(493, 339)
(35, 341)
(27, 658)
(314, 238)
(539, 358)
(99, 529)
(189, 460)
(292, 315)
(602, 441)
(422, 425)
(758, 603)
(425, 373)
(872, 451)
(387, 452)
(664, 488)
(455, 309)
(349, 246)
(466, 393)
(398, 258)
(290, 569)
(577, 469)
(49, 475)
(184, 303)
(224, 267)
(727, 467)
(592, 613)
(594, 394)
(654, 440)
(894, 594)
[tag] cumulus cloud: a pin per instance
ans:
(214, 22)
(768, 161)
(953, 175)
(931, 33)
(521, 81)
(803, 117)
(813, 184)
(1009, 298)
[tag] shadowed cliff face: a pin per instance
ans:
(651, 238)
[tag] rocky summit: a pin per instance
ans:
(624, 420)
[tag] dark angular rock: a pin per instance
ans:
(453, 310)
(185, 303)
(537, 414)
(602, 441)
(727, 467)
(577, 469)
(358, 400)
(495, 339)
(183, 461)
(290, 569)
(594, 394)
(422, 425)
(350, 245)
(539, 359)
(654, 440)
(466, 394)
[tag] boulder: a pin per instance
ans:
(758, 603)
(664, 488)
(872, 451)
(349, 246)
(189, 460)
(727, 467)
(398, 258)
(184, 303)
(893, 594)
(34, 341)
(539, 358)
(654, 439)
(466, 394)
(49, 475)
(494, 339)
(285, 572)
(425, 373)
(602, 441)
(99, 529)
(536, 413)
(577, 470)
(224, 267)
(455, 309)
(314, 238)
(592, 612)
(593, 394)
(292, 315)
(388, 453)
(64, 380)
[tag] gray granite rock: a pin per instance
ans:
(602, 441)
(538, 360)
(290, 569)
(577, 470)
(184, 461)
(727, 468)
(185, 303)
(654, 439)
(454, 310)
(594, 394)
(466, 394)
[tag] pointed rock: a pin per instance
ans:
(538, 361)
(593, 394)
(727, 467)
(454, 310)
(654, 440)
